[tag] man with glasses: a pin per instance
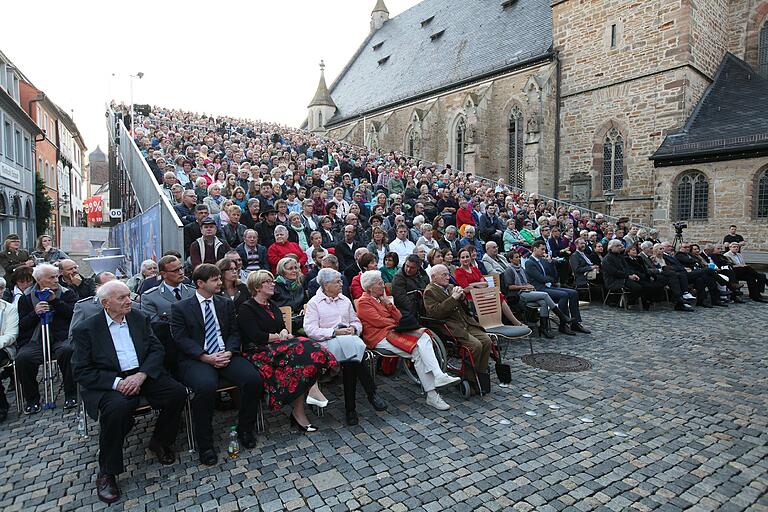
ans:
(156, 302)
(234, 256)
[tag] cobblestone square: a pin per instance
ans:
(678, 405)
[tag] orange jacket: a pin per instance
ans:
(377, 319)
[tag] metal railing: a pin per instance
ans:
(559, 202)
(145, 187)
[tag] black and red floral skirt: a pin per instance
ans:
(290, 367)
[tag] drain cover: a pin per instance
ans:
(554, 362)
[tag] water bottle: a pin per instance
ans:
(81, 425)
(234, 445)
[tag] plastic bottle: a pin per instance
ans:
(233, 450)
(81, 424)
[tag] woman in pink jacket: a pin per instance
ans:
(331, 320)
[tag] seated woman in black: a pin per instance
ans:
(289, 290)
(231, 286)
(289, 366)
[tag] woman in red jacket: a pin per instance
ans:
(282, 248)
(464, 214)
(367, 262)
(379, 316)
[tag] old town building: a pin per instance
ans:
(17, 158)
(574, 99)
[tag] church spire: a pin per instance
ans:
(322, 96)
(380, 7)
(379, 15)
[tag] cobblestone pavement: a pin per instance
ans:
(689, 391)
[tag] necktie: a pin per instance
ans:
(211, 338)
(177, 293)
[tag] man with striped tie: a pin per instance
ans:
(208, 341)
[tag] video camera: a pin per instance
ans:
(679, 227)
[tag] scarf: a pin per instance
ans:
(291, 285)
(387, 274)
(303, 243)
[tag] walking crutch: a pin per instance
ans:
(45, 334)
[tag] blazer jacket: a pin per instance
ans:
(156, 302)
(188, 326)
(580, 265)
(615, 271)
(538, 278)
(260, 249)
(442, 306)
(94, 361)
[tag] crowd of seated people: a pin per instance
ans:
(359, 245)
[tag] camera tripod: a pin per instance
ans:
(678, 240)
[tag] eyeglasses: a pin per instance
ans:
(174, 270)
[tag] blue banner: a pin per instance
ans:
(138, 238)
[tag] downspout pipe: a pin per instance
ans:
(558, 97)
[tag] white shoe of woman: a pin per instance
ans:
(436, 401)
(445, 380)
(316, 402)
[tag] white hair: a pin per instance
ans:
(109, 288)
(613, 243)
(281, 229)
(327, 275)
(146, 263)
(645, 245)
(44, 269)
(369, 278)
(2, 282)
(433, 268)
(418, 220)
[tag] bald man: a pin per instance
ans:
(117, 359)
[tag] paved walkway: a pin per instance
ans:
(678, 405)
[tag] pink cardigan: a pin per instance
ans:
(325, 314)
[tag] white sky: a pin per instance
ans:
(257, 59)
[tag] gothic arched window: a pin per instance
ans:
(516, 174)
(319, 119)
(761, 195)
(762, 51)
(411, 143)
(691, 196)
(460, 138)
(613, 160)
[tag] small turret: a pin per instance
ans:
(321, 108)
(379, 15)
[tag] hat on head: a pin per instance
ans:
(208, 220)
(268, 211)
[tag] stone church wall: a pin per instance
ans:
(486, 108)
(731, 201)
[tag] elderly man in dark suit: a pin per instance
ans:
(543, 276)
(207, 339)
(117, 359)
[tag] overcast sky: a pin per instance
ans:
(256, 59)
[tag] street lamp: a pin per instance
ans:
(138, 75)
(609, 196)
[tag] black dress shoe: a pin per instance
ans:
(70, 402)
(107, 489)
(577, 327)
(682, 306)
(565, 328)
(303, 428)
(247, 439)
(758, 299)
(32, 408)
(377, 402)
(165, 454)
(209, 457)
(352, 418)
(738, 300)
(720, 304)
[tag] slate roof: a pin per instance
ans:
(730, 121)
(480, 37)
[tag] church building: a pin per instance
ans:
(654, 110)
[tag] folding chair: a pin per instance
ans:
(16, 384)
(488, 308)
(622, 294)
(287, 318)
(142, 410)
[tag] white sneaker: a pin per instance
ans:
(443, 380)
(688, 296)
(436, 401)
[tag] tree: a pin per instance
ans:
(43, 206)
